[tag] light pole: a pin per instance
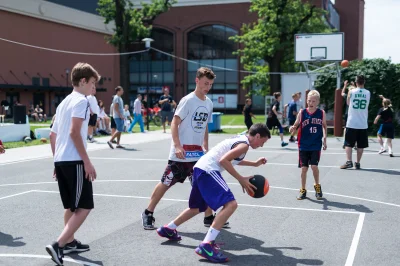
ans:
(66, 75)
(147, 42)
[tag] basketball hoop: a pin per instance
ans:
(318, 59)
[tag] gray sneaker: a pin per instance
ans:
(148, 221)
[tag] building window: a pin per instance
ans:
(154, 68)
(211, 46)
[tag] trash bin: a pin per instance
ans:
(215, 125)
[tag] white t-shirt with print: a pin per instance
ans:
(195, 115)
(357, 116)
(74, 105)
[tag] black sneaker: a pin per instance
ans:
(210, 219)
(303, 194)
(284, 144)
(56, 253)
(391, 155)
(110, 144)
(318, 191)
(357, 166)
(75, 246)
(148, 221)
(348, 164)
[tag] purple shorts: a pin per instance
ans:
(209, 189)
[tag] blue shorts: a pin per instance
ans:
(386, 130)
(119, 124)
(209, 189)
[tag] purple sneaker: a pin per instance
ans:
(211, 252)
(171, 234)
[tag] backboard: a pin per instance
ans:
(319, 47)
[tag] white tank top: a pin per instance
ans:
(210, 161)
(358, 109)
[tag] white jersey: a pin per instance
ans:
(74, 105)
(94, 106)
(195, 115)
(210, 161)
(358, 109)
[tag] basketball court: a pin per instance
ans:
(355, 224)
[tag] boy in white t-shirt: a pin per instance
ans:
(357, 122)
(73, 167)
(189, 130)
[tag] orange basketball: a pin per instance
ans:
(262, 185)
(345, 63)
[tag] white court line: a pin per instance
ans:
(181, 200)
(14, 195)
(268, 163)
(322, 152)
(235, 184)
(24, 184)
(47, 257)
(356, 239)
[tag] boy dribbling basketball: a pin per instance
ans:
(210, 189)
(311, 137)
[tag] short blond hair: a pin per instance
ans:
(314, 93)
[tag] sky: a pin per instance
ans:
(381, 39)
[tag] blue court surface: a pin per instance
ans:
(355, 224)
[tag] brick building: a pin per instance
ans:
(196, 30)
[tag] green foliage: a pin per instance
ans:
(382, 78)
(136, 20)
(270, 40)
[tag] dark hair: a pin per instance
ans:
(277, 94)
(261, 129)
(118, 88)
(205, 72)
(83, 70)
(360, 79)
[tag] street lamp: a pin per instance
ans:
(147, 42)
(66, 75)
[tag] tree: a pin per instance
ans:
(267, 45)
(382, 78)
(131, 25)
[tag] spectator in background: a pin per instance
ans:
(113, 125)
(94, 112)
(272, 120)
(247, 112)
(167, 104)
(292, 114)
(39, 112)
(128, 117)
(137, 114)
(118, 114)
(104, 119)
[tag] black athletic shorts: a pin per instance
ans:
(307, 158)
(75, 190)
(93, 120)
(113, 125)
(386, 130)
(353, 136)
(177, 172)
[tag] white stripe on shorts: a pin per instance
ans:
(219, 180)
(79, 182)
